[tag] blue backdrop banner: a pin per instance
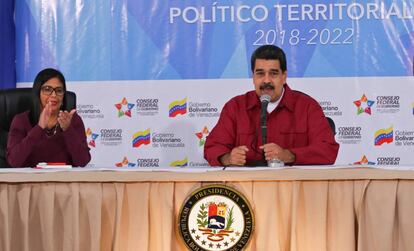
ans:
(133, 62)
(141, 39)
(7, 45)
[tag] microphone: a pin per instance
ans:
(264, 99)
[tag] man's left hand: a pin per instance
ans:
(274, 151)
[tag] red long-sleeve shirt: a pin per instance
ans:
(28, 145)
(297, 123)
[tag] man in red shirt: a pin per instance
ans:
(298, 132)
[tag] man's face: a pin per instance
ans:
(268, 78)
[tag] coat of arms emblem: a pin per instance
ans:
(216, 218)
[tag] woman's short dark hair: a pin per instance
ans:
(269, 52)
(42, 77)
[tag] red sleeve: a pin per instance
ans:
(21, 140)
(222, 138)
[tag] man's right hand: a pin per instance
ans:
(237, 157)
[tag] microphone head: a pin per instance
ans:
(265, 98)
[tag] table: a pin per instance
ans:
(295, 209)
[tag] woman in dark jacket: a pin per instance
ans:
(48, 132)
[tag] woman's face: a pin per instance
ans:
(52, 92)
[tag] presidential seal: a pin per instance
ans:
(216, 217)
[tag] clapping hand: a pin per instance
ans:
(45, 115)
(65, 118)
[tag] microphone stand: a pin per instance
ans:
(265, 99)
(263, 123)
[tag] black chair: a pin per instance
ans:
(332, 125)
(15, 101)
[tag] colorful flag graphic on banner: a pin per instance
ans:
(177, 107)
(180, 163)
(141, 138)
(384, 136)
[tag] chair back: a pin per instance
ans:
(15, 101)
(332, 125)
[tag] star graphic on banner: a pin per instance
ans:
(202, 136)
(121, 110)
(92, 136)
(125, 162)
(364, 161)
(364, 105)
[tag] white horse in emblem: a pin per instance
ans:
(214, 222)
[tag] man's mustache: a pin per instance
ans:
(268, 86)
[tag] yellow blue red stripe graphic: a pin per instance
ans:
(141, 138)
(180, 163)
(177, 107)
(384, 136)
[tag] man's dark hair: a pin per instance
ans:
(269, 52)
(42, 77)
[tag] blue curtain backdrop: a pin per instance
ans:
(7, 45)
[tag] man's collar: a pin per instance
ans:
(252, 100)
(287, 101)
